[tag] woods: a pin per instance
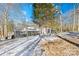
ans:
(50, 15)
(44, 15)
(9, 12)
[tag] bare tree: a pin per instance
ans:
(9, 12)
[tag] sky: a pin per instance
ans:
(28, 9)
(16, 10)
(66, 6)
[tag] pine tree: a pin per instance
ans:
(44, 14)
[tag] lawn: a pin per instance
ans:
(59, 48)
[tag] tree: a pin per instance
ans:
(10, 26)
(44, 14)
(9, 12)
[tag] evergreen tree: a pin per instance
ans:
(44, 14)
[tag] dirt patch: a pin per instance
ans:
(59, 48)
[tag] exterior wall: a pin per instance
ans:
(45, 31)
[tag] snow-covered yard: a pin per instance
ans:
(17, 46)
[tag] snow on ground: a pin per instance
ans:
(39, 51)
(50, 38)
(27, 46)
(14, 47)
(20, 47)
